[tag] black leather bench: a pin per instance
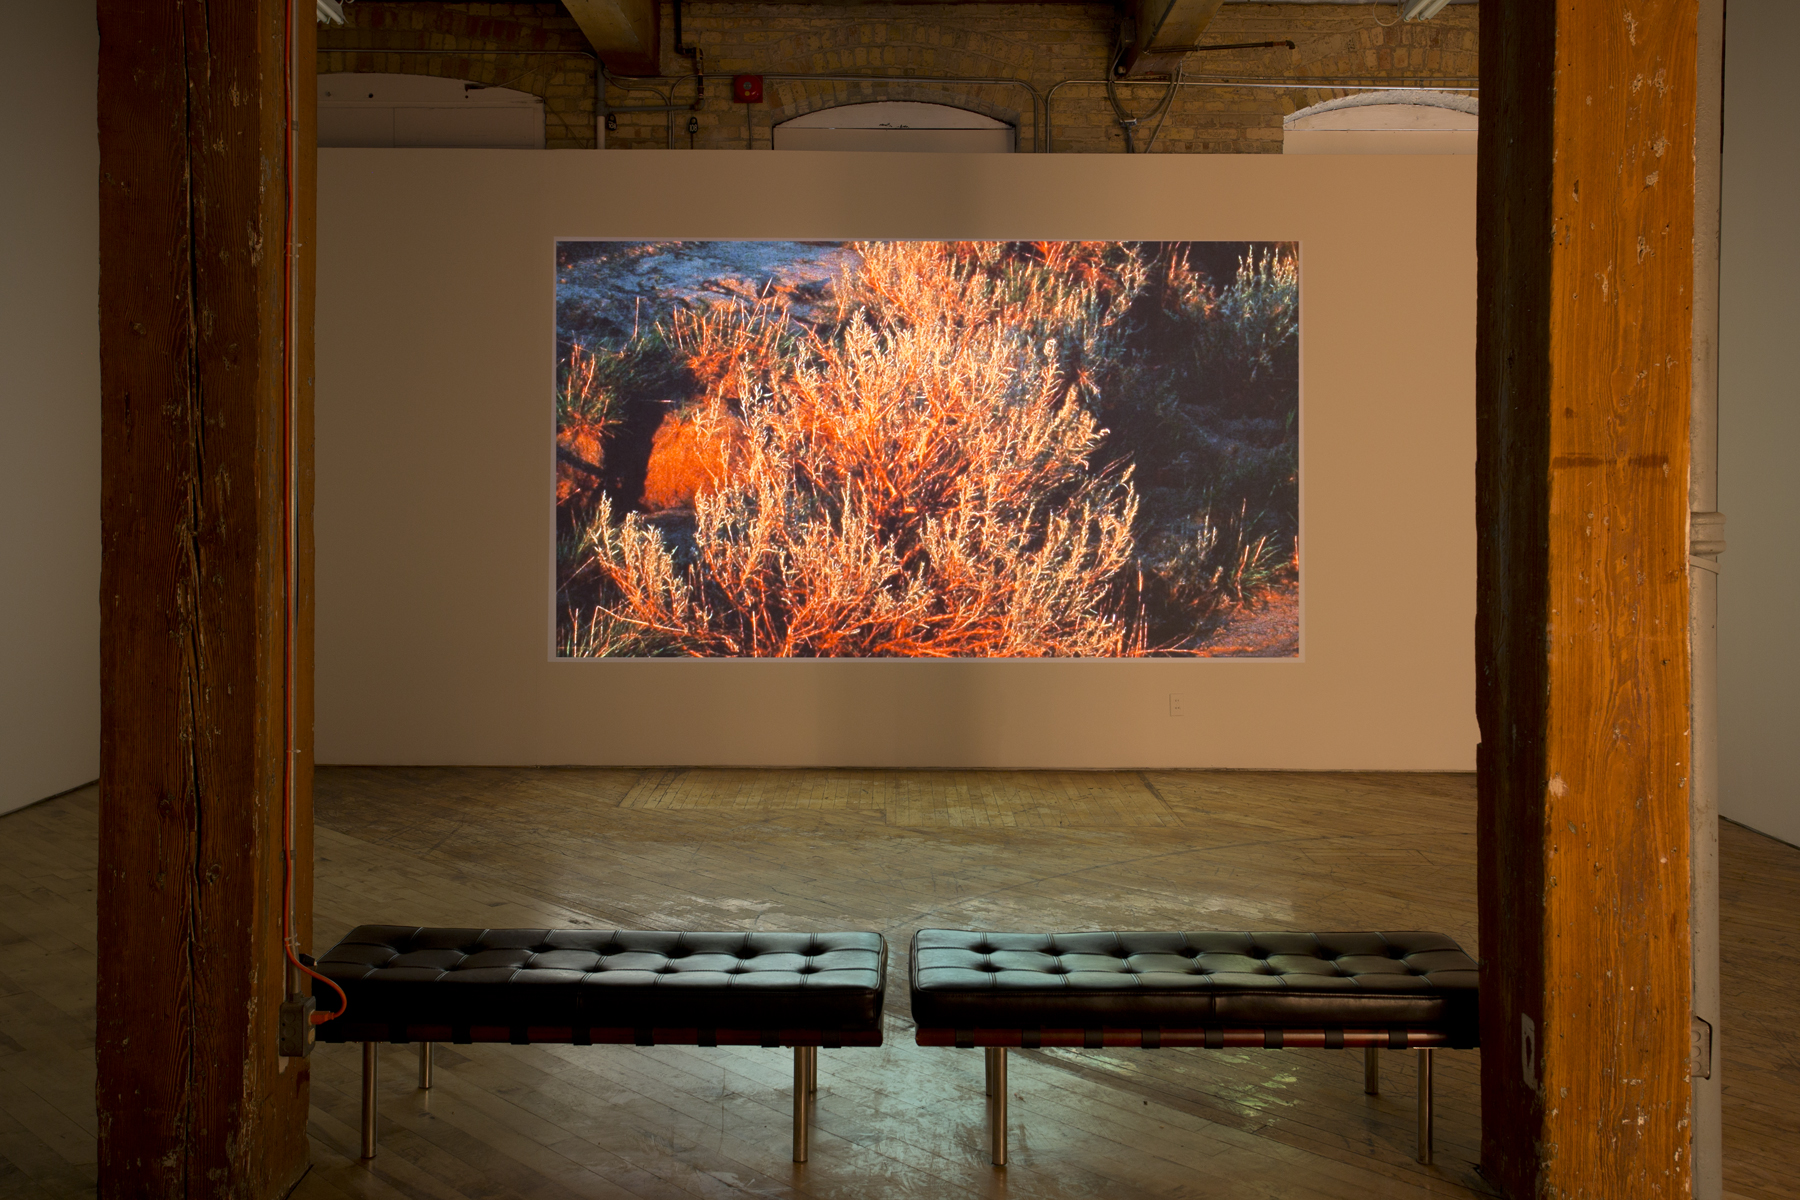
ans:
(1209, 990)
(604, 987)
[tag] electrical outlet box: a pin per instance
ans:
(747, 89)
(1700, 1048)
(1178, 704)
(296, 1026)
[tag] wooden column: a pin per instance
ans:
(193, 1098)
(1585, 236)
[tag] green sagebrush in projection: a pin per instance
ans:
(927, 449)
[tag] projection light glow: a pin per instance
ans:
(900, 449)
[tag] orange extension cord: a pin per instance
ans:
(290, 563)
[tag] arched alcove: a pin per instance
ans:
(369, 109)
(1390, 122)
(896, 125)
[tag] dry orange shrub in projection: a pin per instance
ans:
(909, 460)
(583, 419)
(691, 454)
(916, 482)
(695, 447)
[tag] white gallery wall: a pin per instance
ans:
(49, 402)
(435, 467)
(1759, 422)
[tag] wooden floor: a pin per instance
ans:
(892, 851)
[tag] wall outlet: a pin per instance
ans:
(1700, 1048)
(1178, 704)
(296, 1027)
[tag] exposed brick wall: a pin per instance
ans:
(1040, 44)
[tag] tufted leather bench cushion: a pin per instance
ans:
(404, 981)
(963, 979)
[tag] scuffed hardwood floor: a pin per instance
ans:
(891, 851)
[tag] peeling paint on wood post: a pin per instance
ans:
(1585, 237)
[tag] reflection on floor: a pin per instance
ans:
(893, 852)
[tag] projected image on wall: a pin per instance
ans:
(927, 449)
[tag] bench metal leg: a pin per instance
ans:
(425, 1066)
(996, 1073)
(1425, 1104)
(1372, 1070)
(987, 1069)
(370, 1063)
(806, 1066)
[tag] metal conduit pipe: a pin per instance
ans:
(1049, 145)
(643, 83)
(1282, 42)
(1043, 135)
(695, 53)
(640, 83)
(1043, 132)
(599, 71)
(1397, 83)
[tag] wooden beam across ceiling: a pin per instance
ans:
(1585, 234)
(1163, 32)
(625, 34)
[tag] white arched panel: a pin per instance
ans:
(896, 125)
(368, 109)
(1391, 122)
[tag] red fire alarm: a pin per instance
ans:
(746, 89)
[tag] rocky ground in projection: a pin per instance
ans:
(606, 291)
(927, 449)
